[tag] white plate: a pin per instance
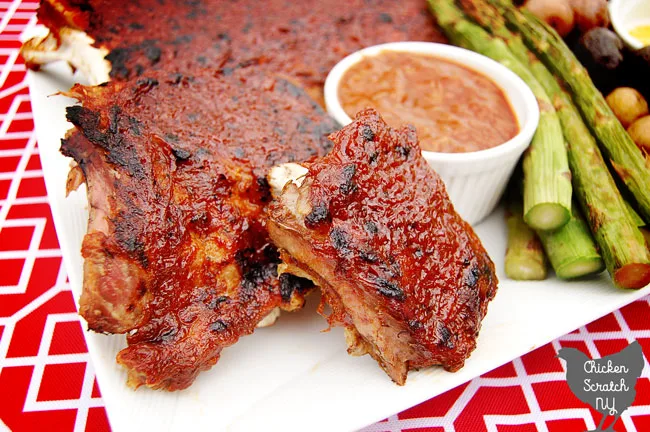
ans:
(292, 376)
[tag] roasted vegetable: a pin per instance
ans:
(557, 13)
(571, 249)
(640, 133)
(601, 52)
(620, 241)
(590, 14)
(612, 221)
(627, 160)
(646, 235)
(636, 219)
(627, 104)
(525, 259)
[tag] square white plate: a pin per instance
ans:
(292, 376)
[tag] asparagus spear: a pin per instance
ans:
(626, 158)
(636, 219)
(619, 240)
(525, 258)
(646, 235)
(571, 249)
(547, 184)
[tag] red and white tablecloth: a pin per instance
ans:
(47, 382)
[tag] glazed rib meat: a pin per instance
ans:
(301, 39)
(372, 225)
(176, 251)
(204, 97)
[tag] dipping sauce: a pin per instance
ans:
(642, 34)
(453, 108)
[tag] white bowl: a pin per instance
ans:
(626, 15)
(475, 180)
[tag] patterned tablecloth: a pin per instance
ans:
(47, 382)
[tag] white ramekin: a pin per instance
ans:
(476, 180)
(626, 15)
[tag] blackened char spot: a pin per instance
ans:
(171, 137)
(403, 151)
(153, 53)
(444, 336)
(218, 326)
(347, 185)
(111, 140)
(127, 239)
(368, 256)
(371, 227)
(318, 214)
(367, 133)
(472, 276)
(168, 334)
(118, 58)
(144, 85)
(213, 301)
(389, 289)
(263, 188)
(415, 324)
(386, 18)
(257, 275)
(290, 284)
(147, 82)
(338, 239)
(135, 126)
(181, 154)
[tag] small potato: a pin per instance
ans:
(556, 13)
(590, 14)
(640, 133)
(627, 104)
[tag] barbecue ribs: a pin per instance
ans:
(176, 251)
(205, 97)
(301, 39)
(371, 224)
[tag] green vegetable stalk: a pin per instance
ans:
(636, 219)
(525, 259)
(620, 243)
(571, 249)
(626, 158)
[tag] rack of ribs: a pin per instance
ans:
(371, 224)
(302, 40)
(177, 253)
(204, 98)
